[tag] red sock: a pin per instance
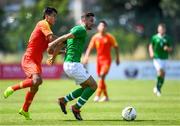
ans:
(28, 99)
(23, 84)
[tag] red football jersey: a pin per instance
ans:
(38, 42)
(103, 46)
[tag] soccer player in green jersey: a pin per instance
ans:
(72, 66)
(159, 48)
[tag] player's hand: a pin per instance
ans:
(62, 51)
(166, 48)
(117, 61)
(50, 61)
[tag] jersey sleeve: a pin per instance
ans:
(152, 40)
(113, 41)
(78, 31)
(45, 28)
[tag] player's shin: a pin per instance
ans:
(86, 94)
(24, 84)
(73, 95)
(160, 82)
(28, 100)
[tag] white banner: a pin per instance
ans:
(137, 70)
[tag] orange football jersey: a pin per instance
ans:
(38, 42)
(103, 46)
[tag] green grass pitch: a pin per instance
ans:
(151, 110)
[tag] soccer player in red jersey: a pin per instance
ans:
(102, 42)
(32, 58)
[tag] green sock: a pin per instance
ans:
(84, 97)
(160, 81)
(73, 95)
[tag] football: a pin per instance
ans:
(129, 113)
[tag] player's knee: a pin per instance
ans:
(162, 73)
(93, 85)
(37, 81)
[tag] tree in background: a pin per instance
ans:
(18, 32)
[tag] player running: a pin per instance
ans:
(159, 48)
(32, 58)
(102, 42)
(72, 66)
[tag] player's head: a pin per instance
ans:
(161, 28)
(88, 20)
(102, 26)
(50, 14)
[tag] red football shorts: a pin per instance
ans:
(103, 67)
(30, 67)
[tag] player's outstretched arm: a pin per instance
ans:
(55, 47)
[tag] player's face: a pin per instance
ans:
(161, 30)
(101, 27)
(89, 22)
(51, 18)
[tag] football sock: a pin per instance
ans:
(99, 89)
(73, 95)
(103, 88)
(23, 84)
(28, 99)
(86, 94)
(160, 81)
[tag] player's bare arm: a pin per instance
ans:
(168, 49)
(86, 57)
(55, 47)
(117, 54)
(151, 53)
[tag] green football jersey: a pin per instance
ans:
(158, 42)
(75, 46)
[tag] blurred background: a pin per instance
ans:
(132, 22)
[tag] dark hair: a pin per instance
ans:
(87, 15)
(104, 22)
(48, 11)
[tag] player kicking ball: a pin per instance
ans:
(32, 58)
(72, 66)
(159, 48)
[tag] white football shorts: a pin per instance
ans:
(159, 64)
(76, 71)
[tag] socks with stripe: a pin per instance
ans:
(28, 100)
(160, 82)
(73, 95)
(86, 94)
(23, 84)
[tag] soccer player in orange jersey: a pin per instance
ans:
(102, 42)
(32, 58)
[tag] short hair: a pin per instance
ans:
(48, 11)
(104, 22)
(162, 25)
(87, 15)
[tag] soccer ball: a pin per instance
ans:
(129, 113)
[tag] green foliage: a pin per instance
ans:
(26, 19)
(128, 41)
